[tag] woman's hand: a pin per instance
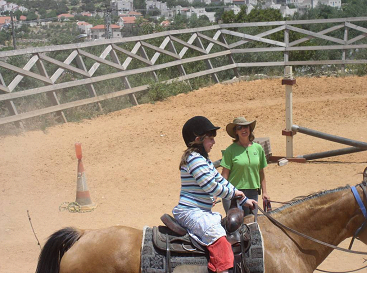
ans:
(265, 196)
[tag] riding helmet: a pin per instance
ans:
(195, 127)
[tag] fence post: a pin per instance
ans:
(288, 81)
(346, 31)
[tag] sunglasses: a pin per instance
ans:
(239, 127)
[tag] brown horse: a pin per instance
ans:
(330, 216)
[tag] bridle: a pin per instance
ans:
(363, 209)
(359, 230)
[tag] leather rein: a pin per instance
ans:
(279, 224)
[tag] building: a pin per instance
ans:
(200, 12)
(5, 22)
(236, 9)
(85, 28)
(121, 6)
(86, 14)
(99, 32)
(154, 4)
(134, 14)
(65, 17)
(308, 4)
(126, 22)
(332, 3)
(165, 23)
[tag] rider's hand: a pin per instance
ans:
(250, 203)
(239, 194)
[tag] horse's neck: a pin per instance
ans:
(329, 217)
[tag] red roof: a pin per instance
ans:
(65, 15)
(134, 13)
(82, 23)
(5, 19)
(128, 20)
(165, 23)
(101, 27)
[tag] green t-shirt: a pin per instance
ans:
(244, 164)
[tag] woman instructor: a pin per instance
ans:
(244, 161)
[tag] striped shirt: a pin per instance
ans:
(201, 182)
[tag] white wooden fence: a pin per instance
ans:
(82, 64)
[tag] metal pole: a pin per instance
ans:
(337, 139)
(332, 153)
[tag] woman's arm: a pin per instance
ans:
(263, 185)
(225, 173)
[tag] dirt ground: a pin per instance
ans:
(131, 160)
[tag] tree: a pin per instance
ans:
(4, 36)
(31, 16)
(140, 5)
(62, 9)
(17, 14)
(229, 17)
(179, 22)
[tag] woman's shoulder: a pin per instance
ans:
(232, 146)
(257, 146)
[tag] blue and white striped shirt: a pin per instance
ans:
(201, 182)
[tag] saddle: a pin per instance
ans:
(174, 239)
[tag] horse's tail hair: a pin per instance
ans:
(54, 249)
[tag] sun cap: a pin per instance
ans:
(239, 121)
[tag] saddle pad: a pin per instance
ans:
(153, 260)
(254, 257)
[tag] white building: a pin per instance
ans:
(153, 4)
(288, 12)
(98, 32)
(122, 6)
(85, 28)
(332, 3)
(236, 9)
(313, 3)
(200, 12)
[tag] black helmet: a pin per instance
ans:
(196, 126)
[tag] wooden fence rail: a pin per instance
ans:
(40, 71)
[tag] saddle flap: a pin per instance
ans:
(180, 244)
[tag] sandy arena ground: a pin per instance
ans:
(131, 160)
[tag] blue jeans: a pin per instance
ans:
(250, 193)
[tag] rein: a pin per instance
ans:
(279, 224)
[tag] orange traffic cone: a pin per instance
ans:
(82, 192)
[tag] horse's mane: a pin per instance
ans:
(301, 199)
